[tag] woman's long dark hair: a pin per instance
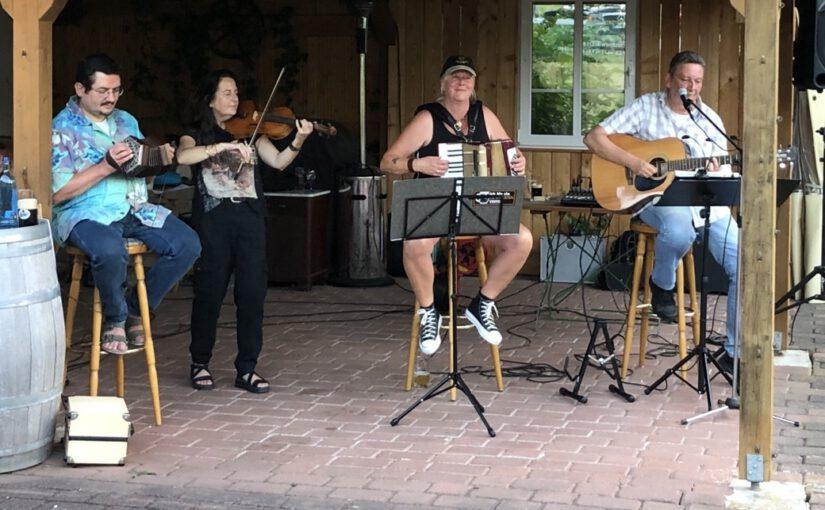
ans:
(201, 118)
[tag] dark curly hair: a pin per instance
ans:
(98, 62)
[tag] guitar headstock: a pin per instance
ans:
(736, 159)
(787, 156)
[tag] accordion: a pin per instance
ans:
(147, 160)
(476, 159)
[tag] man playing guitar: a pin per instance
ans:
(660, 115)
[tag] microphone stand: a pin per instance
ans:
(688, 103)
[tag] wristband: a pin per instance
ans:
(410, 164)
(111, 161)
(292, 147)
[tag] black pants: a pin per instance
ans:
(234, 242)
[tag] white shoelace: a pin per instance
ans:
(428, 324)
(487, 308)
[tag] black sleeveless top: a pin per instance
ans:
(441, 134)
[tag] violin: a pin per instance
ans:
(277, 123)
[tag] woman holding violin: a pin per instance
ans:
(228, 213)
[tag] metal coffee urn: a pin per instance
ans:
(360, 249)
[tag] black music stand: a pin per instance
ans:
(426, 208)
(706, 192)
(784, 187)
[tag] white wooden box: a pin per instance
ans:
(97, 430)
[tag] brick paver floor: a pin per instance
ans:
(800, 394)
(321, 438)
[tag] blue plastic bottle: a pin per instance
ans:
(8, 196)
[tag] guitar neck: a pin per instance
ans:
(694, 163)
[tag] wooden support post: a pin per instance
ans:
(32, 93)
(787, 97)
(758, 236)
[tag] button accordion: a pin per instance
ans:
(147, 160)
(476, 159)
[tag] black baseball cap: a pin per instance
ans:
(458, 63)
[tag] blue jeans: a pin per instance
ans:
(676, 234)
(176, 245)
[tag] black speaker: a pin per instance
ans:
(809, 47)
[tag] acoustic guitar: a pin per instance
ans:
(617, 188)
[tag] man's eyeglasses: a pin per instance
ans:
(117, 91)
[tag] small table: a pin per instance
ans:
(296, 237)
(553, 205)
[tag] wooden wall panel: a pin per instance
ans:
(413, 70)
(451, 11)
(669, 34)
(318, 74)
(506, 79)
(709, 45)
(433, 48)
(471, 35)
(486, 57)
(730, 71)
(648, 77)
(690, 24)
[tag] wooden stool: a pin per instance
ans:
(645, 236)
(482, 277)
(135, 249)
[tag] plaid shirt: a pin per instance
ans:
(650, 118)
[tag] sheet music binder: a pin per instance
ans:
(419, 209)
(719, 191)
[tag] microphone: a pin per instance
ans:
(685, 101)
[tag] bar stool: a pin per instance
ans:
(645, 236)
(136, 249)
(482, 278)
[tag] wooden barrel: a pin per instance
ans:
(32, 346)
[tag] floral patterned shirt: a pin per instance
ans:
(77, 144)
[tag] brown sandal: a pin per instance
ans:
(134, 331)
(109, 342)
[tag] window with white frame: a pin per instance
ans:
(577, 67)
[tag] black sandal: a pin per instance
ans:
(245, 382)
(201, 382)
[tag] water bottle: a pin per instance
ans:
(8, 196)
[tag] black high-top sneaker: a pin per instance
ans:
(429, 330)
(480, 314)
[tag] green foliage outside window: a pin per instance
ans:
(602, 59)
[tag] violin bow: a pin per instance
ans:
(266, 108)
